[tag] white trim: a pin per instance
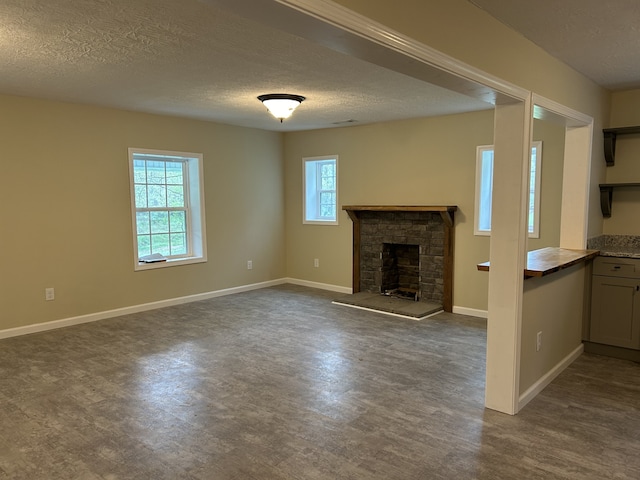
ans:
(320, 286)
(577, 118)
(352, 22)
(94, 317)
(548, 377)
(382, 312)
(471, 312)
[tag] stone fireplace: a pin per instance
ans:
(405, 248)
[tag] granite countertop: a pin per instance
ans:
(626, 252)
(625, 246)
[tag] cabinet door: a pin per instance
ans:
(615, 311)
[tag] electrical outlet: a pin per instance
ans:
(49, 294)
(316, 262)
(249, 264)
(538, 341)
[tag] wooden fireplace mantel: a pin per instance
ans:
(446, 211)
(447, 214)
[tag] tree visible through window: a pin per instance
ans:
(167, 204)
(320, 189)
(484, 189)
(161, 210)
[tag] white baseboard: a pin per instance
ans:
(94, 317)
(547, 378)
(472, 312)
(321, 286)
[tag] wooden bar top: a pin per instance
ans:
(549, 260)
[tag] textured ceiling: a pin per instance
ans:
(599, 38)
(191, 59)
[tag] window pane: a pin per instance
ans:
(160, 244)
(159, 222)
(141, 196)
(144, 245)
(174, 173)
(328, 169)
(142, 223)
(486, 187)
(177, 222)
(327, 205)
(178, 244)
(533, 182)
(157, 196)
(175, 196)
(328, 183)
(327, 176)
(139, 172)
(155, 173)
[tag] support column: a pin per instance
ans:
(508, 251)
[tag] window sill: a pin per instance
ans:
(171, 262)
(320, 222)
(484, 233)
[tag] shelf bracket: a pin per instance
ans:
(610, 148)
(447, 218)
(606, 195)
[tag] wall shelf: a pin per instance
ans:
(606, 195)
(610, 136)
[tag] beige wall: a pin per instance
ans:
(552, 137)
(428, 161)
(66, 217)
(463, 31)
(625, 112)
(546, 300)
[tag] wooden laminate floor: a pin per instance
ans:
(282, 384)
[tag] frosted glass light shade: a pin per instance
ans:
(281, 105)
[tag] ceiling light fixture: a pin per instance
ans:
(281, 105)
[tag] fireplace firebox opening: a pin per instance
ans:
(400, 270)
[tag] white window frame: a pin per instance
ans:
(311, 191)
(484, 180)
(194, 207)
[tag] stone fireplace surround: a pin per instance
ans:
(429, 227)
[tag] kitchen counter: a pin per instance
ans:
(623, 252)
(623, 246)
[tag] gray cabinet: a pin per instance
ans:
(615, 302)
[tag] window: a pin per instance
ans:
(167, 203)
(320, 190)
(484, 189)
